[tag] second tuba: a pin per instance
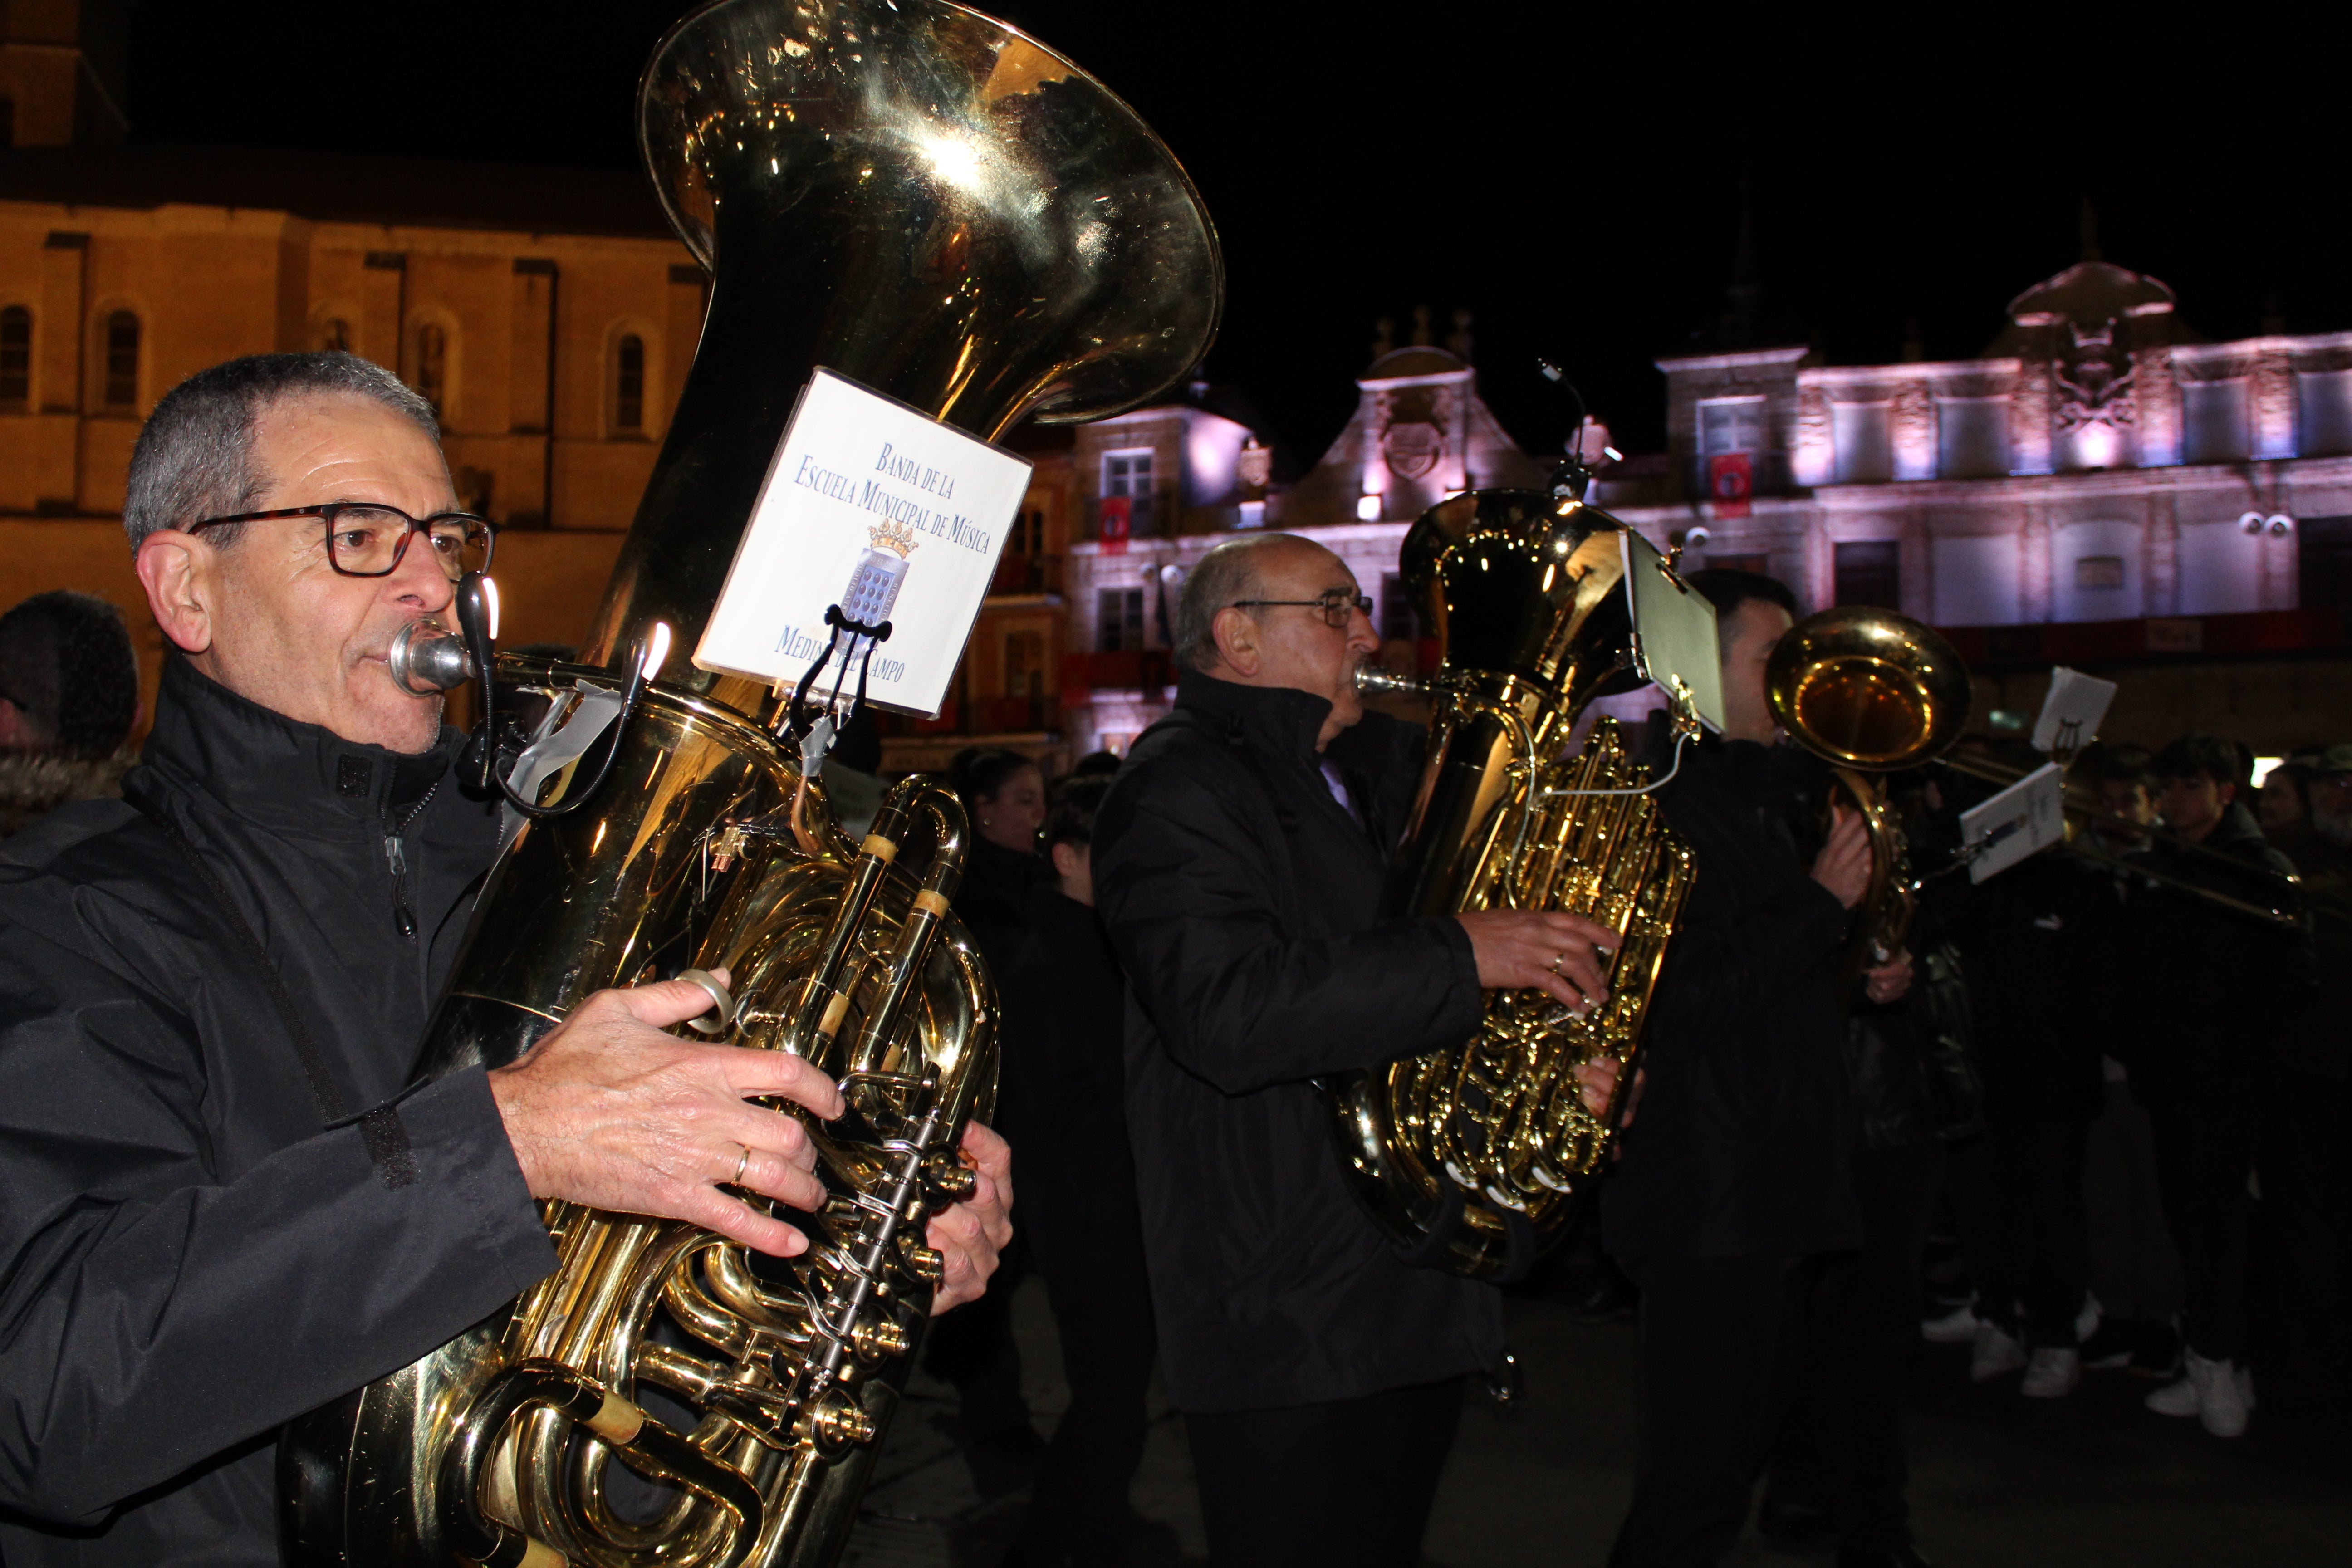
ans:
(1472, 1157)
(928, 201)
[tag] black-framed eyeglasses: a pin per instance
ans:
(366, 540)
(1338, 606)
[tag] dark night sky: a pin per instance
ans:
(1577, 185)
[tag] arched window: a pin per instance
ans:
(432, 365)
(335, 335)
(16, 355)
(629, 385)
(122, 360)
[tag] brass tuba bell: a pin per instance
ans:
(1871, 693)
(931, 202)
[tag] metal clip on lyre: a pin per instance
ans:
(815, 731)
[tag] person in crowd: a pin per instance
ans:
(1837, 1469)
(2282, 804)
(1003, 795)
(1062, 1102)
(2134, 1274)
(2209, 990)
(68, 698)
(1738, 1165)
(2305, 1163)
(2037, 941)
(1238, 863)
(214, 1215)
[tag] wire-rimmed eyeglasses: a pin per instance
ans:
(367, 540)
(1338, 606)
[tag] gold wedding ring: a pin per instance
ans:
(741, 1163)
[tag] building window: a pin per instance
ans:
(629, 385)
(1024, 664)
(1863, 442)
(2213, 422)
(1730, 424)
(1401, 617)
(1971, 437)
(1118, 619)
(16, 355)
(2322, 413)
(1129, 475)
(335, 336)
(432, 366)
(122, 360)
(1028, 537)
(2324, 561)
(1869, 572)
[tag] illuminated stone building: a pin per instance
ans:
(1420, 433)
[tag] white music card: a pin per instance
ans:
(1673, 632)
(2024, 819)
(2071, 712)
(883, 510)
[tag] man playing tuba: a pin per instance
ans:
(222, 1203)
(1238, 863)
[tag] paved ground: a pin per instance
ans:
(2084, 1482)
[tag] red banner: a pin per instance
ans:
(1112, 513)
(1730, 481)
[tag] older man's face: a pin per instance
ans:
(1295, 646)
(270, 619)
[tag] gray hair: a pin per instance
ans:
(1229, 571)
(195, 459)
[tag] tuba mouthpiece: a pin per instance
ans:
(427, 657)
(1371, 681)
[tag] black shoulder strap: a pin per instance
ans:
(331, 1108)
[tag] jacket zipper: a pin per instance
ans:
(395, 856)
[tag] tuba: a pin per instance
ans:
(925, 200)
(1472, 1157)
(1871, 693)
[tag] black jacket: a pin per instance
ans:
(2044, 946)
(187, 1258)
(1242, 902)
(1740, 1145)
(2207, 990)
(1061, 1100)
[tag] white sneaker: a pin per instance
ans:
(2209, 1392)
(2052, 1373)
(1997, 1355)
(1957, 1327)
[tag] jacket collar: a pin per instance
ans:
(1271, 721)
(274, 771)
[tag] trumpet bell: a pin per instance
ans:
(1868, 689)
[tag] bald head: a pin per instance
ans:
(1253, 614)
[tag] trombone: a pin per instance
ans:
(2286, 910)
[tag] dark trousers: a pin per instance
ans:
(2306, 1173)
(1711, 1330)
(2026, 1227)
(2204, 1153)
(972, 1347)
(1837, 1445)
(1347, 1484)
(1102, 1307)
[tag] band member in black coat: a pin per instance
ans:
(1736, 1165)
(216, 1216)
(1238, 864)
